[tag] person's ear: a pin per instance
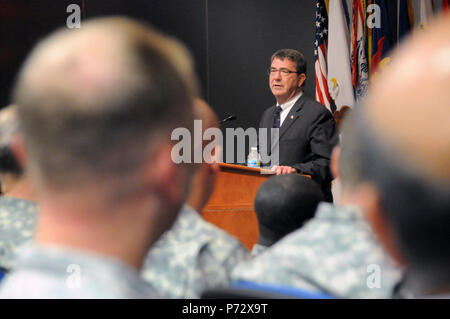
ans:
(369, 201)
(18, 149)
(162, 173)
(301, 80)
(334, 162)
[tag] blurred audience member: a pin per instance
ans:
(97, 106)
(194, 255)
(17, 208)
(400, 148)
(283, 204)
(334, 253)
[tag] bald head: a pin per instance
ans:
(102, 60)
(96, 100)
(396, 150)
(409, 105)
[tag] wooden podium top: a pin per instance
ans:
(231, 204)
(227, 166)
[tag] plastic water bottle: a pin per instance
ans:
(253, 159)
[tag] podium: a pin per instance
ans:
(231, 204)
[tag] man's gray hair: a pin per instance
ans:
(293, 55)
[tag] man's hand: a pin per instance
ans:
(283, 170)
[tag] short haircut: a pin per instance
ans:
(283, 204)
(417, 207)
(73, 133)
(292, 55)
(9, 127)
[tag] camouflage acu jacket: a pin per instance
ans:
(54, 271)
(192, 256)
(17, 223)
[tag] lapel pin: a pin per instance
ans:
(292, 117)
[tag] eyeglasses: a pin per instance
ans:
(284, 72)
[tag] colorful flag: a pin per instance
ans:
(348, 8)
(381, 38)
(338, 58)
(320, 54)
(360, 67)
(445, 5)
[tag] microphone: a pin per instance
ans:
(231, 117)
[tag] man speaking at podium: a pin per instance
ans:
(307, 130)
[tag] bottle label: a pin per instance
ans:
(253, 163)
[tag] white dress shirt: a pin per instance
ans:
(287, 106)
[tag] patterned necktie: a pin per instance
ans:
(276, 117)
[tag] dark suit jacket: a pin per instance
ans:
(306, 139)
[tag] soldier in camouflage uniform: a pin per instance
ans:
(335, 253)
(97, 107)
(194, 255)
(332, 253)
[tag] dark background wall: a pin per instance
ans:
(22, 24)
(242, 37)
(231, 41)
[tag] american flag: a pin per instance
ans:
(320, 54)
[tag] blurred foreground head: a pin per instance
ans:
(97, 107)
(94, 102)
(283, 204)
(397, 151)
